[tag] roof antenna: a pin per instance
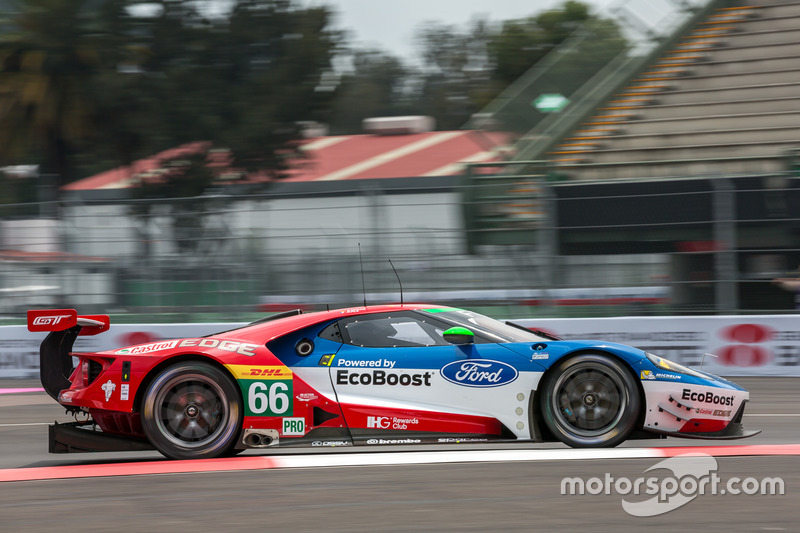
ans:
(363, 284)
(398, 281)
(703, 360)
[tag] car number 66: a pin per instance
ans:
(261, 396)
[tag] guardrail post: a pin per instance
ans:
(726, 290)
(548, 243)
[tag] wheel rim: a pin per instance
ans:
(191, 410)
(589, 399)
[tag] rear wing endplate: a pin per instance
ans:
(55, 352)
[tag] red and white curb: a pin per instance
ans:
(381, 459)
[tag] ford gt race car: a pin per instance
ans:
(377, 375)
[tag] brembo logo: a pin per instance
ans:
(49, 320)
(479, 373)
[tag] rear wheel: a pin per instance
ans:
(192, 410)
(591, 401)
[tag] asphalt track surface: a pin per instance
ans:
(472, 487)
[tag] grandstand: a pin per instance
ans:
(722, 99)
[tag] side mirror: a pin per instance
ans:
(459, 335)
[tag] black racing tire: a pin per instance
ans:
(591, 401)
(192, 410)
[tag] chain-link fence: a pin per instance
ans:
(706, 245)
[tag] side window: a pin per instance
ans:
(386, 330)
(331, 333)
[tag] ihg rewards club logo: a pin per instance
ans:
(692, 475)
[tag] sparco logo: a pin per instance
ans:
(48, 320)
(381, 377)
(707, 397)
(479, 373)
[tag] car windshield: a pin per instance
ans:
(489, 327)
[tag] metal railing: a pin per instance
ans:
(629, 247)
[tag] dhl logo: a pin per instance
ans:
(260, 372)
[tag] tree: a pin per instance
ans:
(455, 76)
(231, 90)
(48, 58)
(522, 43)
(463, 69)
(241, 81)
(376, 85)
(92, 84)
(450, 83)
(283, 56)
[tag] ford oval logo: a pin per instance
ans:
(479, 373)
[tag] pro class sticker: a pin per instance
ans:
(294, 427)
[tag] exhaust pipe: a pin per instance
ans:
(259, 438)
(254, 440)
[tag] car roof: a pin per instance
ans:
(270, 329)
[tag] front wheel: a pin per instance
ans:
(192, 410)
(591, 400)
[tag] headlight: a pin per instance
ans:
(672, 366)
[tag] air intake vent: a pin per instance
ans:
(94, 370)
(321, 416)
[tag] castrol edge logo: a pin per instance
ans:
(242, 348)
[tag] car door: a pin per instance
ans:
(397, 380)
(315, 417)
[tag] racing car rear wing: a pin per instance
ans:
(55, 352)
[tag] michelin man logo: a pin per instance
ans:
(108, 387)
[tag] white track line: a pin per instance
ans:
(482, 456)
(255, 462)
(242, 463)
